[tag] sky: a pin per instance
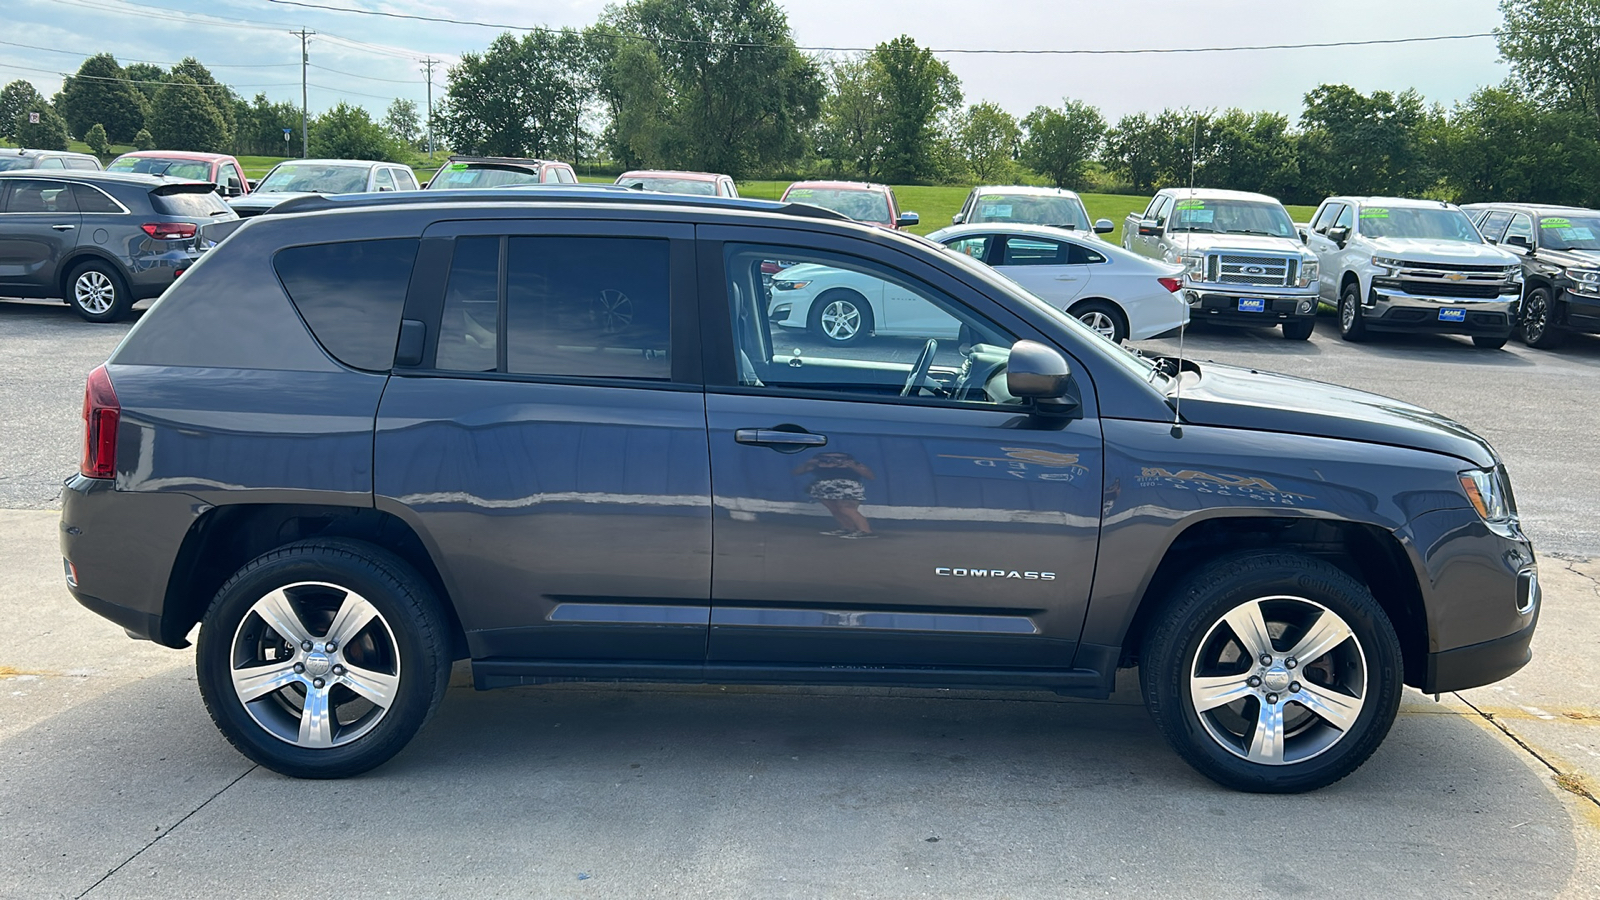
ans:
(370, 61)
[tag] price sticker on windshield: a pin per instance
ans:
(996, 210)
(1191, 204)
(1373, 212)
(1556, 223)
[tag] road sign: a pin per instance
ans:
(33, 118)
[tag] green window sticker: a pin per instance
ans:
(992, 198)
(1374, 212)
(1191, 204)
(1555, 223)
(802, 192)
(458, 167)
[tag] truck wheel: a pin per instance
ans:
(1299, 329)
(1352, 327)
(1272, 672)
(97, 292)
(1490, 343)
(322, 658)
(1539, 328)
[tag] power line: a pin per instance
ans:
(149, 62)
(133, 80)
(754, 45)
(367, 77)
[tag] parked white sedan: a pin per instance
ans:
(1118, 293)
(842, 306)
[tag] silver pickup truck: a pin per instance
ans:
(1244, 263)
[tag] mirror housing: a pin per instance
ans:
(907, 219)
(1038, 373)
(1338, 234)
(1103, 226)
(1304, 238)
(955, 219)
(1519, 241)
(1149, 228)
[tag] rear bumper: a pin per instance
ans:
(1397, 311)
(151, 273)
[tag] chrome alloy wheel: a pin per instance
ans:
(1535, 317)
(315, 664)
(1278, 680)
(1101, 323)
(841, 320)
(1347, 314)
(94, 292)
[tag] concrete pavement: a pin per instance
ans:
(113, 783)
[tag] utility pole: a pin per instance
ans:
(305, 59)
(430, 63)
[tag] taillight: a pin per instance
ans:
(169, 231)
(1172, 284)
(101, 415)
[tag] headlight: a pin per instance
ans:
(1489, 494)
(1308, 273)
(1589, 278)
(788, 285)
(1387, 262)
(1194, 266)
(1514, 274)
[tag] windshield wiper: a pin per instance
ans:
(1252, 231)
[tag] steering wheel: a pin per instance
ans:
(920, 369)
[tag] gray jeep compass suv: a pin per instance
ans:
(557, 433)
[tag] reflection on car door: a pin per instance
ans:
(1049, 269)
(552, 440)
(39, 226)
(859, 522)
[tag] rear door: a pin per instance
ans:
(1055, 271)
(39, 227)
(550, 439)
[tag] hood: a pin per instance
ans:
(1233, 397)
(1202, 243)
(1445, 252)
(805, 271)
(1585, 259)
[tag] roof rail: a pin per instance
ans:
(549, 193)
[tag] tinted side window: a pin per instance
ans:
(1347, 217)
(351, 295)
(40, 197)
(469, 333)
(1162, 209)
(1024, 251)
(383, 180)
(93, 200)
(594, 307)
(565, 176)
(1325, 217)
(52, 162)
(1494, 225)
(88, 165)
(1083, 256)
(1521, 226)
(194, 204)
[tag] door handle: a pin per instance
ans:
(63, 227)
(771, 437)
(1066, 278)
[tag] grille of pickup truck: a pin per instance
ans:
(1450, 280)
(1256, 271)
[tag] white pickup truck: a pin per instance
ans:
(1244, 263)
(1393, 264)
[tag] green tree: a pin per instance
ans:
(98, 143)
(520, 97)
(347, 132)
(403, 122)
(1553, 47)
(222, 96)
(1251, 152)
(17, 97)
(261, 125)
(184, 117)
(49, 133)
(1060, 143)
(1505, 145)
(854, 125)
(145, 78)
(143, 140)
(100, 93)
(736, 95)
(919, 92)
(988, 139)
(629, 77)
(1356, 143)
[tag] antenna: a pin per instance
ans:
(1177, 403)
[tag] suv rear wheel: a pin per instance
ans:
(98, 292)
(322, 659)
(1272, 672)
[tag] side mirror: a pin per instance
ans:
(1338, 234)
(955, 219)
(1038, 373)
(254, 183)
(1149, 228)
(1520, 241)
(1103, 226)
(383, 187)
(907, 219)
(424, 185)
(1304, 238)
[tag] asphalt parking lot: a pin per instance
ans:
(113, 782)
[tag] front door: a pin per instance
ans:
(39, 226)
(888, 503)
(551, 443)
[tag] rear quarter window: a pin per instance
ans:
(195, 204)
(351, 295)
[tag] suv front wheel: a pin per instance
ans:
(1352, 327)
(322, 658)
(1272, 672)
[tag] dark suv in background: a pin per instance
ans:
(1560, 250)
(101, 241)
(13, 160)
(558, 432)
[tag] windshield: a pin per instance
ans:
(666, 185)
(1030, 209)
(861, 205)
(1570, 233)
(15, 162)
(173, 168)
(464, 176)
(1426, 223)
(315, 177)
(1231, 217)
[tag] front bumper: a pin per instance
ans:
(1480, 664)
(1227, 306)
(1389, 310)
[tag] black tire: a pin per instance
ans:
(1540, 327)
(1288, 591)
(1489, 343)
(409, 637)
(1299, 329)
(97, 292)
(825, 304)
(1102, 315)
(1352, 326)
